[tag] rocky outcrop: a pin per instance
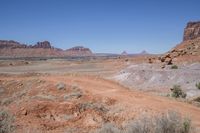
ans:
(16, 49)
(144, 52)
(44, 44)
(188, 49)
(13, 44)
(124, 53)
(79, 51)
(192, 31)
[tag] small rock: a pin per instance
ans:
(24, 112)
(163, 66)
(150, 61)
(61, 86)
(168, 61)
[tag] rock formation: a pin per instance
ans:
(44, 44)
(79, 51)
(144, 52)
(40, 49)
(192, 31)
(188, 49)
(124, 53)
(13, 44)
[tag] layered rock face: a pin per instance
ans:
(40, 49)
(44, 44)
(79, 51)
(13, 44)
(192, 31)
(189, 49)
(16, 49)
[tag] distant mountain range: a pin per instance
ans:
(190, 46)
(10, 48)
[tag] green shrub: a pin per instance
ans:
(177, 92)
(198, 85)
(174, 67)
(6, 122)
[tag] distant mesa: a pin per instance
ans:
(44, 44)
(124, 53)
(13, 44)
(79, 51)
(144, 52)
(10, 48)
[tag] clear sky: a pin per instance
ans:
(102, 25)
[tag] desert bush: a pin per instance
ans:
(7, 101)
(75, 95)
(94, 106)
(170, 122)
(177, 92)
(44, 97)
(174, 67)
(143, 124)
(6, 122)
(108, 128)
(198, 85)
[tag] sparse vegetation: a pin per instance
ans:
(6, 122)
(143, 124)
(6, 101)
(61, 86)
(108, 128)
(198, 85)
(177, 92)
(174, 67)
(171, 122)
(75, 95)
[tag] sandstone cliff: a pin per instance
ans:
(40, 49)
(188, 49)
(192, 31)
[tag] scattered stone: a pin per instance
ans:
(24, 112)
(61, 86)
(168, 60)
(163, 66)
(150, 61)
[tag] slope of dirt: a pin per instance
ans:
(150, 77)
(81, 105)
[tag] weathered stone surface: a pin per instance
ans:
(11, 44)
(192, 31)
(189, 47)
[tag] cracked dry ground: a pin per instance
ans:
(82, 105)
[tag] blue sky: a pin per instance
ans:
(102, 25)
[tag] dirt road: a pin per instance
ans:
(132, 102)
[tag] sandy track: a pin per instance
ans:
(129, 103)
(133, 102)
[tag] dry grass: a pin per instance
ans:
(171, 122)
(6, 122)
